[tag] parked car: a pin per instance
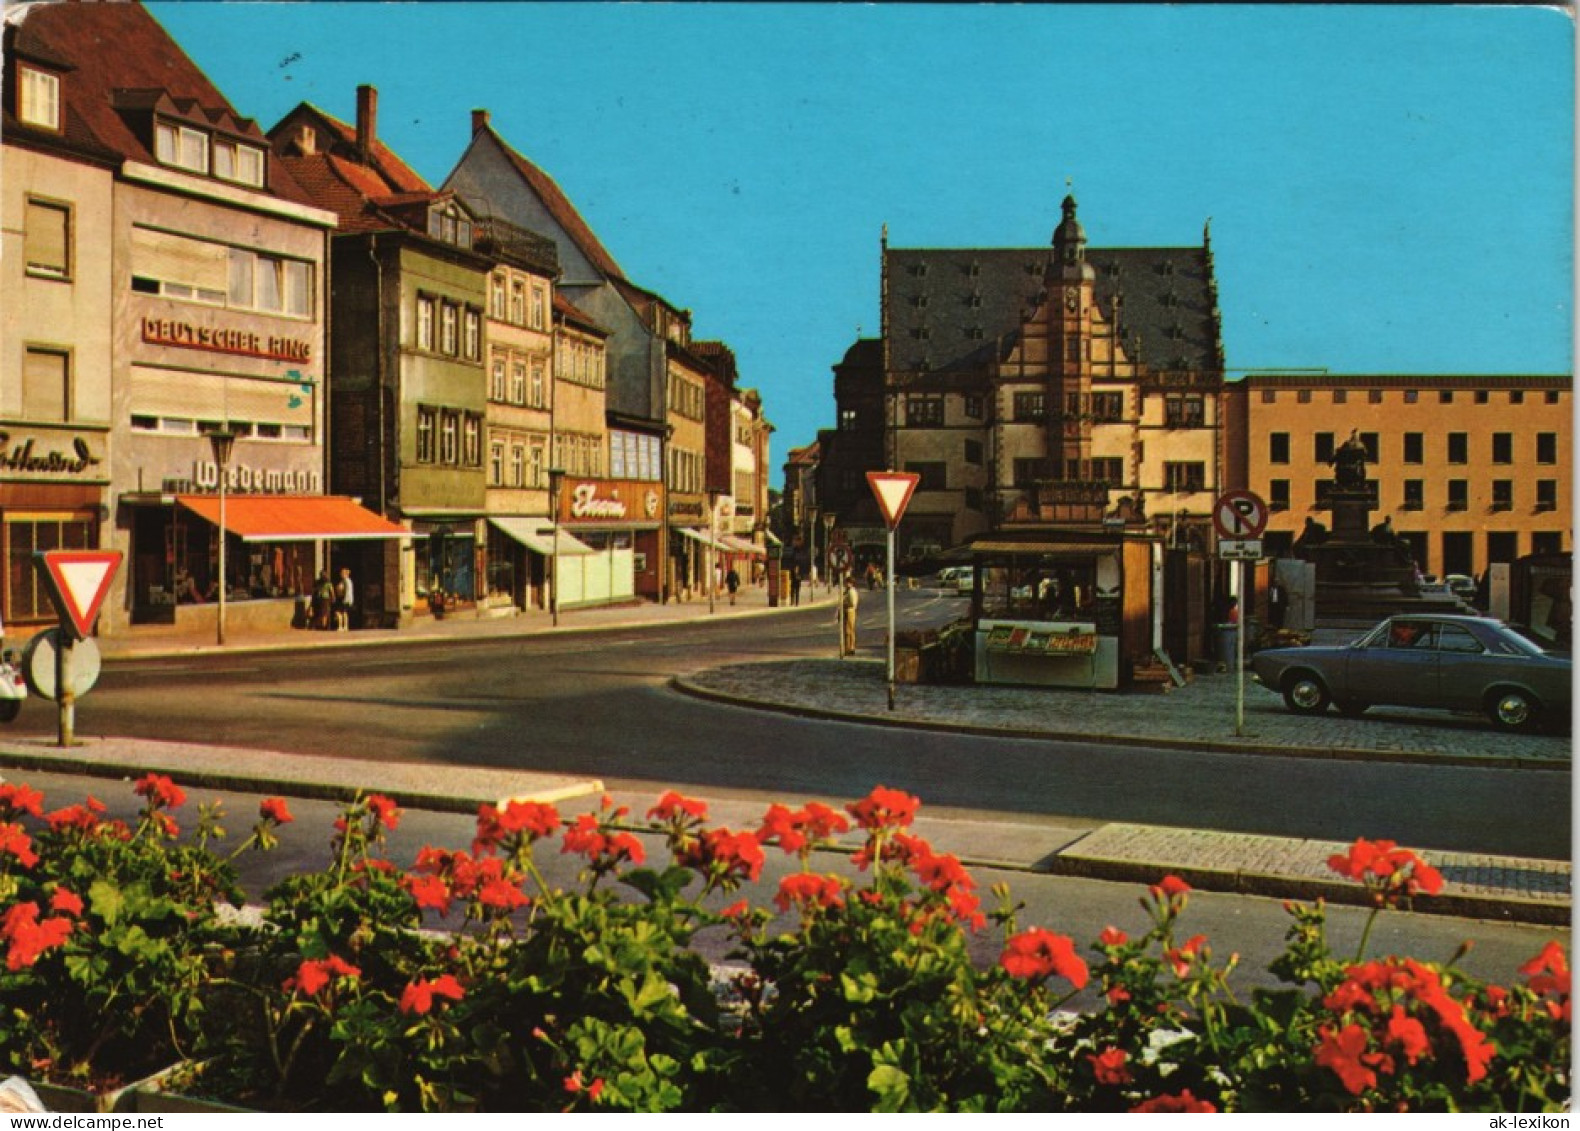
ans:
(13, 688)
(1461, 586)
(1453, 663)
(966, 579)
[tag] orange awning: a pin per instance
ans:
(293, 518)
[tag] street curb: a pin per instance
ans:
(685, 686)
(350, 640)
(306, 790)
(1512, 909)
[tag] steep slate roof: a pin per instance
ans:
(576, 316)
(561, 208)
(1166, 303)
(124, 65)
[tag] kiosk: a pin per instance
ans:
(1065, 608)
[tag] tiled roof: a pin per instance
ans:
(114, 49)
(952, 309)
(563, 211)
(399, 176)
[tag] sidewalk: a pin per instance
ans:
(1199, 715)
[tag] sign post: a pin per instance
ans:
(77, 582)
(893, 490)
(1240, 517)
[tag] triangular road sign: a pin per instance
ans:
(78, 580)
(893, 490)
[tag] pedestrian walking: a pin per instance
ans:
(847, 618)
(795, 585)
(732, 582)
(345, 597)
(323, 601)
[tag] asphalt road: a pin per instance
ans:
(599, 704)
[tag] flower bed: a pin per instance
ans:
(121, 958)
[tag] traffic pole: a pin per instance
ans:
(1239, 647)
(63, 694)
(889, 584)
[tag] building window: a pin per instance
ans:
(1182, 477)
(46, 385)
(1108, 407)
(1303, 396)
(449, 437)
(47, 239)
(1552, 396)
(848, 420)
(496, 382)
(1029, 407)
(1547, 447)
(924, 412)
(1369, 441)
(472, 440)
(1547, 494)
(539, 306)
(1458, 494)
(518, 465)
(496, 297)
(1414, 447)
(240, 163)
(40, 104)
(1340, 396)
(1278, 494)
(473, 334)
(1516, 396)
(1269, 396)
(1029, 471)
(1503, 494)
(427, 419)
(449, 326)
(1503, 447)
(537, 397)
(1445, 396)
(269, 283)
(1109, 470)
(1374, 396)
(934, 476)
(973, 406)
(424, 322)
(496, 463)
(518, 302)
(182, 147)
(1278, 447)
(1411, 396)
(1482, 396)
(1414, 495)
(974, 452)
(1458, 447)
(518, 382)
(1322, 447)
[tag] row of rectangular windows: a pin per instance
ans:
(449, 437)
(517, 390)
(515, 308)
(1029, 471)
(1413, 449)
(1411, 396)
(526, 453)
(1457, 494)
(579, 453)
(459, 328)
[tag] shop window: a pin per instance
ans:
(46, 385)
(1037, 588)
(47, 239)
(27, 600)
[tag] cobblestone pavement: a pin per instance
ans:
(1200, 714)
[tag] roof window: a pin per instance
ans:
(40, 101)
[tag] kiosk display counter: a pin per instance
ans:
(1048, 617)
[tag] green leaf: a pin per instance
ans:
(107, 901)
(891, 1086)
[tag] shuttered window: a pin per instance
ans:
(48, 239)
(46, 385)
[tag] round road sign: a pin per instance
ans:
(1239, 514)
(38, 664)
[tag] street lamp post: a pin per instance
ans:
(556, 480)
(713, 539)
(223, 442)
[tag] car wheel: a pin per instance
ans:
(1305, 694)
(1352, 707)
(9, 709)
(1510, 709)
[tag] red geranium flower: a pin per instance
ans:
(1345, 1053)
(784, 826)
(28, 937)
(885, 808)
(14, 840)
(672, 806)
(274, 809)
(574, 1085)
(314, 974)
(84, 817)
(1170, 888)
(1109, 1067)
(726, 855)
(1183, 1102)
(1113, 936)
(1408, 1034)
(66, 901)
(805, 890)
(430, 892)
(418, 996)
(160, 791)
(21, 799)
(387, 812)
(501, 894)
(1548, 971)
(1038, 954)
(602, 849)
(535, 819)
(1387, 870)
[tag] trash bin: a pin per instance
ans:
(1227, 637)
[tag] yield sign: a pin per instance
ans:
(78, 580)
(893, 490)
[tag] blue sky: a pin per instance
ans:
(1390, 188)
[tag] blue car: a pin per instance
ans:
(1452, 663)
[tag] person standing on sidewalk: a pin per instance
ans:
(732, 582)
(345, 595)
(795, 584)
(847, 618)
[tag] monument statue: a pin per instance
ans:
(1349, 462)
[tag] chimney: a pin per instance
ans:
(306, 140)
(367, 121)
(479, 121)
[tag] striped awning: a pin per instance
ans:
(293, 518)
